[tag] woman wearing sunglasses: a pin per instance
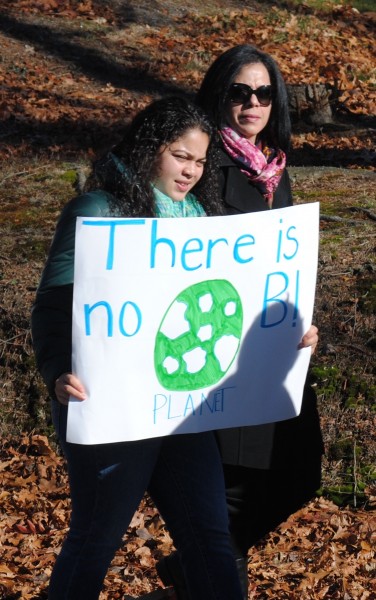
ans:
(244, 93)
(270, 470)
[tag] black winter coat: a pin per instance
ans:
(295, 442)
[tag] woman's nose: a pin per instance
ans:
(253, 100)
(189, 169)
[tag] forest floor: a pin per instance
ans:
(71, 73)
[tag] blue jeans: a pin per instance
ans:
(183, 475)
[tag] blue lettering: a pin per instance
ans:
(169, 415)
(290, 238)
(275, 298)
(295, 245)
(239, 244)
(211, 244)
(121, 318)
(112, 224)
(205, 402)
(155, 241)
(215, 403)
(158, 406)
(279, 245)
(89, 309)
(241, 250)
(297, 290)
(189, 406)
(218, 401)
(187, 250)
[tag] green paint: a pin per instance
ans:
(220, 296)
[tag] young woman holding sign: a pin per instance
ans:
(163, 167)
(270, 470)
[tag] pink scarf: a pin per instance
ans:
(263, 167)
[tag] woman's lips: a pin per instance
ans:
(249, 118)
(183, 185)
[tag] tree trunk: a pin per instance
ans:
(310, 104)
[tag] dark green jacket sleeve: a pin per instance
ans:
(51, 328)
(51, 317)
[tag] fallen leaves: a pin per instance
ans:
(319, 552)
(34, 517)
(72, 71)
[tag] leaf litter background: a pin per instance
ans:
(70, 74)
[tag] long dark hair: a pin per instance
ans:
(221, 74)
(127, 172)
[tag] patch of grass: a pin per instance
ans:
(280, 37)
(33, 194)
(341, 449)
(345, 495)
(367, 77)
(34, 249)
(356, 474)
(328, 5)
(21, 218)
(334, 239)
(327, 379)
(368, 472)
(367, 301)
(353, 387)
(276, 16)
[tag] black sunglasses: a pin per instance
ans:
(240, 93)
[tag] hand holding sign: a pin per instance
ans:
(169, 355)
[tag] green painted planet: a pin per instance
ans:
(199, 336)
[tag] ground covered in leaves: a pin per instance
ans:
(320, 552)
(71, 73)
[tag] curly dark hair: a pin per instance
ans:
(127, 171)
(212, 95)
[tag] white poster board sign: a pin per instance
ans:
(187, 325)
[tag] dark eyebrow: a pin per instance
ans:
(187, 154)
